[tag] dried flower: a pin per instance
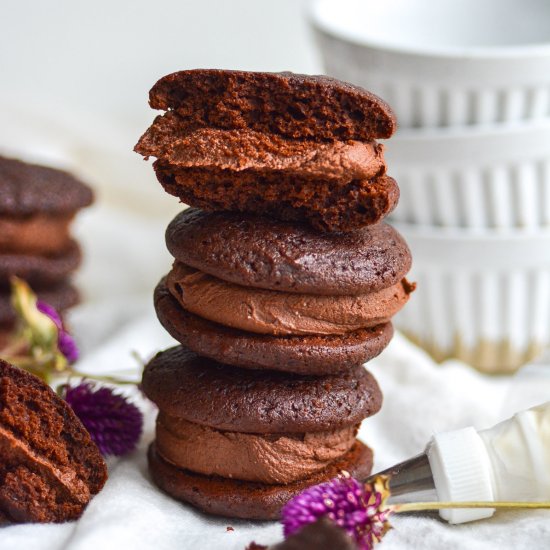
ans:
(65, 342)
(360, 510)
(35, 346)
(113, 422)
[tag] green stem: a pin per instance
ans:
(424, 506)
(105, 378)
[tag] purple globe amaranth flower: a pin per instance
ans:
(65, 342)
(358, 509)
(113, 422)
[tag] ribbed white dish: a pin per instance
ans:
(484, 298)
(444, 63)
(477, 178)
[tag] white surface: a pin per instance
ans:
(445, 63)
(125, 257)
(489, 177)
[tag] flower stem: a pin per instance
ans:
(424, 506)
(106, 378)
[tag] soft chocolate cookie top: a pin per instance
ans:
(288, 256)
(27, 189)
(185, 385)
(293, 105)
(49, 467)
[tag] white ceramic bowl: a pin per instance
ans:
(445, 62)
(477, 178)
(483, 299)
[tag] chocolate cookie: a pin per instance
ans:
(311, 355)
(40, 271)
(27, 189)
(293, 105)
(248, 500)
(50, 468)
(327, 207)
(288, 256)
(61, 297)
(205, 392)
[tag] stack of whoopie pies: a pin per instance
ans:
(37, 206)
(284, 284)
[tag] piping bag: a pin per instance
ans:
(508, 462)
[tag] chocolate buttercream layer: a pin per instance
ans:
(186, 385)
(27, 189)
(288, 256)
(40, 271)
(281, 313)
(215, 151)
(38, 234)
(246, 499)
(273, 458)
(293, 105)
(313, 354)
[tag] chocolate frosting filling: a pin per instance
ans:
(265, 458)
(245, 149)
(39, 234)
(265, 311)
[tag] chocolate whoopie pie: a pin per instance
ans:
(280, 295)
(288, 256)
(311, 354)
(258, 436)
(234, 151)
(50, 467)
(37, 206)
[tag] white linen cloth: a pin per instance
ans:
(125, 255)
